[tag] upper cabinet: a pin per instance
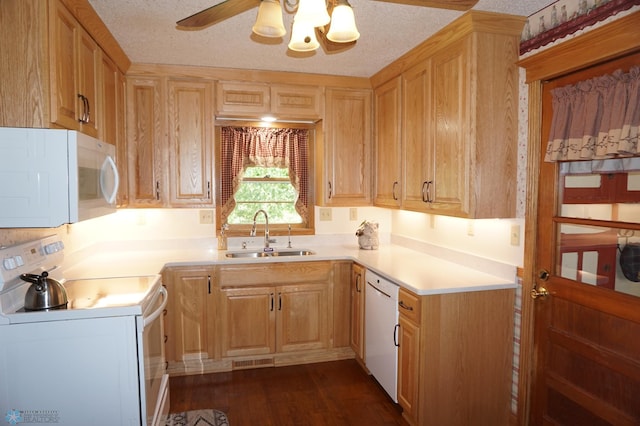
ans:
(53, 69)
(170, 121)
(146, 141)
(459, 119)
(190, 114)
(239, 99)
(343, 153)
(74, 65)
(388, 162)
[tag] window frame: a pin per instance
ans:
(276, 229)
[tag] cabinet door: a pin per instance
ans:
(248, 321)
(146, 140)
(388, 151)
(450, 112)
(417, 157)
(190, 315)
(408, 367)
(88, 109)
(243, 99)
(110, 79)
(190, 143)
(357, 310)
(296, 101)
(302, 320)
(346, 170)
(63, 35)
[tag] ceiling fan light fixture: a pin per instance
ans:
(269, 22)
(343, 23)
(303, 37)
(314, 12)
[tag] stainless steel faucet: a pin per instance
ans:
(266, 228)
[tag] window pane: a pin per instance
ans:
(268, 189)
(597, 256)
(600, 190)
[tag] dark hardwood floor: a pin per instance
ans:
(329, 393)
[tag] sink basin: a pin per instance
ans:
(275, 253)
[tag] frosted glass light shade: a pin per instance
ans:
(303, 37)
(269, 21)
(343, 24)
(313, 11)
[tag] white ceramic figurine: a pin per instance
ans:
(367, 235)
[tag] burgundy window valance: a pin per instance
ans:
(596, 118)
(243, 147)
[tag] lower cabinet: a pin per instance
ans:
(234, 316)
(266, 320)
(357, 311)
(455, 357)
(190, 317)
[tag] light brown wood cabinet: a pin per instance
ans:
(146, 142)
(454, 359)
(357, 310)
(190, 316)
(459, 119)
(388, 163)
(75, 60)
(259, 317)
(343, 153)
(240, 99)
(190, 115)
(170, 121)
(52, 73)
(266, 320)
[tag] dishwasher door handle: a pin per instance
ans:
(378, 290)
(395, 335)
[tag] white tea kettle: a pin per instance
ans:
(45, 293)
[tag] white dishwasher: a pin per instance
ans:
(381, 326)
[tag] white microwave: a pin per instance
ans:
(50, 177)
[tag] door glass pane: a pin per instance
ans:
(601, 254)
(604, 257)
(600, 190)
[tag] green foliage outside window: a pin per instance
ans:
(266, 188)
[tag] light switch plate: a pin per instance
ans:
(515, 235)
(325, 214)
(206, 217)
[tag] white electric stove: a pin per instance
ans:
(100, 361)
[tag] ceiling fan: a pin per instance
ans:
(229, 8)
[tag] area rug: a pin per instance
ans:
(197, 418)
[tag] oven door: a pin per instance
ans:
(154, 381)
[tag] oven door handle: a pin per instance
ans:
(155, 314)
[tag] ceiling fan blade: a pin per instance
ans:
(440, 4)
(217, 13)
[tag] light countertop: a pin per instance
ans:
(417, 271)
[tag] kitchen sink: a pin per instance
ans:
(275, 253)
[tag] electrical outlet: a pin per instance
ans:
(353, 213)
(325, 214)
(515, 235)
(470, 228)
(206, 217)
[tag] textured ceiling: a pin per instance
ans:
(146, 30)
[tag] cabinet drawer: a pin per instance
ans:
(409, 305)
(274, 273)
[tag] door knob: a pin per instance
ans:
(539, 292)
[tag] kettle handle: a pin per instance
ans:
(34, 278)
